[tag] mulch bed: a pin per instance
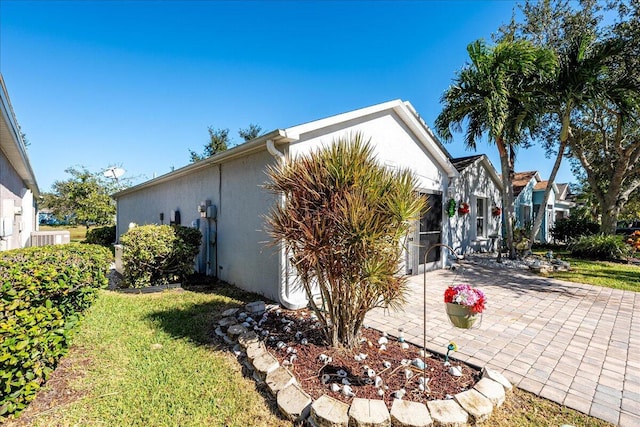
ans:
(297, 335)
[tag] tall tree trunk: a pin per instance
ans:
(543, 206)
(507, 195)
(612, 199)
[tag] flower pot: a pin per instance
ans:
(461, 316)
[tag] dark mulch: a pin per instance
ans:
(287, 329)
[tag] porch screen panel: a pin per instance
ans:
(431, 227)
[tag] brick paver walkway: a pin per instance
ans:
(578, 345)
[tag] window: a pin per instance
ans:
(480, 216)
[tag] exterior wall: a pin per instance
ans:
(394, 145)
(544, 235)
(182, 194)
(14, 194)
(474, 182)
(239, 254)
(245, 259)
(525, 198)
(235, 187)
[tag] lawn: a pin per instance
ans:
(150, 360)
(599, 273)
(78, 232)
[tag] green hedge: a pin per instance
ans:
(44, 290)
(103, 236)
(158, 254)
(600, 247)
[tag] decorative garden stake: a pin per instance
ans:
(451, 347)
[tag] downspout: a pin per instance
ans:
(292, 302)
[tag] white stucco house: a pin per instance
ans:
(479, 186)
(224, 197)
(18, 187)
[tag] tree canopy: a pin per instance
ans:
(84, 198)
(219, 141)
(499, 94)
(592, 111)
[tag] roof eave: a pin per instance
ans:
(13, 145)
(278, 136)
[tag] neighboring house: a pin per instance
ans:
(528, 191)
(480, 187)
(557, 207)
(18, 186)
(523, 186)
(563, 204)
(224, 197)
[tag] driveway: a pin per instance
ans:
(575, 344)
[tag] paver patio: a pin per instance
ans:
(575, 344)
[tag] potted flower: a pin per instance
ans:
(496, 211)
(463, 209)
(464, 304)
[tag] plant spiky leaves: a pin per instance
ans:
(343, 223)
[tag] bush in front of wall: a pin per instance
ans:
(43, 292)
(566, 229)
(600, 247)
(103, 236)
(158, 254)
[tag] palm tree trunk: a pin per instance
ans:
(507, 195)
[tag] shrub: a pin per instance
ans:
(566, 229)
(158, 254)
(43, 293)
(600, 246)
(103, 236)
(344, 221)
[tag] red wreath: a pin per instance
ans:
(496, 211)
(463, 209)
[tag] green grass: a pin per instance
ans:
(186, 382)
(524, 409)
(78, 232)
(599, 273)
(115, 377)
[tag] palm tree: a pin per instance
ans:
(498, 94)
(343, 223)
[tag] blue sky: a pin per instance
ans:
(136, 83)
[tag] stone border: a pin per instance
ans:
(466, 408)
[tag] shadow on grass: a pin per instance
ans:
(198, 322)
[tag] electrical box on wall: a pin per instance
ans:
(212, 212)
